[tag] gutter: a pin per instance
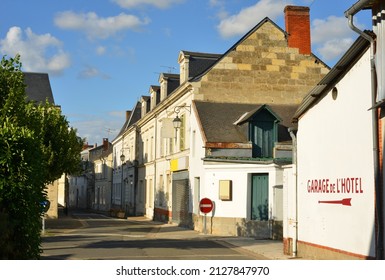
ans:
(356, 7)
(375, 126)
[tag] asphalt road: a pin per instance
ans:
(89, 236)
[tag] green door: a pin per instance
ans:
(260, 197)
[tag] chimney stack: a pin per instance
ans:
(105, 144)
(297, 21)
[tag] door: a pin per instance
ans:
(260, 197)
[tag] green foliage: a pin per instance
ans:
(36, 147)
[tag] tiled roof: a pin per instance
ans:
(217, 120)
(38, 87)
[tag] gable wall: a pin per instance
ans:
(335, 147)
(262, 69)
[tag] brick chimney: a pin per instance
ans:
(297, 21)
(105, 144)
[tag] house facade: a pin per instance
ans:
(100, 192)
(263, 76)
(335, 164)
(79, 186)
(242, 166)
(334, 189)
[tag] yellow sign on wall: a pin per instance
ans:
(174, 165)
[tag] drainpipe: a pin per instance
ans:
(154, 155)
(295, 238)
(379, 235)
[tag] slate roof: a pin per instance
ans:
(217, 120)
(173, 81)
(38, 87)
(199, 62)
(134, 117)
(340, 69)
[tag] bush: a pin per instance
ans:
(36, 147)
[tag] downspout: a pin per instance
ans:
(154, 155)
(295, 238)
(379, 235)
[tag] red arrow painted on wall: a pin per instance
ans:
(345, 201)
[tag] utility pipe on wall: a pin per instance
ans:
(350, 14)
(295, 238)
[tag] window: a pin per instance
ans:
(161, 195)
(182, 133)
(197, 183)
(263, 128)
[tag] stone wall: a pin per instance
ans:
(239, 227)
(262, 69)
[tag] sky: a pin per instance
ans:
(103, 55)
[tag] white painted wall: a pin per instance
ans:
(77, 192)
(289, 202)
(240, 175)
(334, 142)
(197, 152)
(210, 173)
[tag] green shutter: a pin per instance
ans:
(262, 138)
(182, 133)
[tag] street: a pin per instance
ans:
(91, 236)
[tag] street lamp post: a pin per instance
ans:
(122, 160)
(177, 122)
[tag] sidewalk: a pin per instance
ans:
(271, 249)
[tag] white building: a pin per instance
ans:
(333, 192)
(100, 193)
(240, 163)
(258, 82)
(335, 184)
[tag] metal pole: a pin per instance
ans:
(204, 226)
(43, 224)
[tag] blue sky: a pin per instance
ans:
(103, 55)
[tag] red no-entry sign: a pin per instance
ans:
(206, 205)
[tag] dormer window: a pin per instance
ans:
(263, 136)
(262, 130)
(145, 100)
(183, 61)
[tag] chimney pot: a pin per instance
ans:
(297, 22)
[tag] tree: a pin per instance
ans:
(37, 146)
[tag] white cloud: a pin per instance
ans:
(39, 53)
(98, 27)
(247, 18)
(100, 50)
(92, 72)
(331, 36)
(331, 27)
(157, 3)
(333, 49)
(96, 127)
